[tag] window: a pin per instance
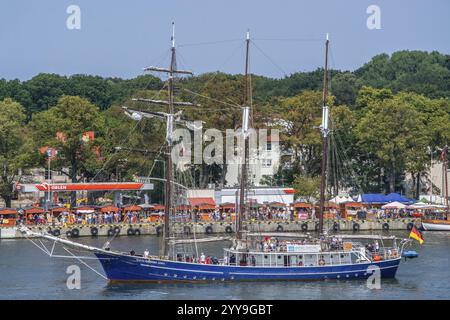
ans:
(269, 146)
(267, 162)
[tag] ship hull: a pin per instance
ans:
(124, 268)
(436, 225)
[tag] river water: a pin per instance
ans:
(27, 273)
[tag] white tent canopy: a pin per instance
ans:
(394, 205)
(342, 199)
(423, 205)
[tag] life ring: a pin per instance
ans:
(356, 227)
(209, 230)
(137, 232)
(385, 226)
(228, 229)
(94, 231)
(335, 226)
(68, 233)
(116, 230)
(110, 232)
(56, 232)
(280, 228)
(187, 230)
(305, 227)
(75, 233)
(409, 226)
(376, 258)
(158, 230)
(130, 232)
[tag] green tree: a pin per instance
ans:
(307, 187)
(69, 119)
(15, 153)
(393, 132)
(298, 119)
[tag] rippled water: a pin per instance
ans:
(27, 273)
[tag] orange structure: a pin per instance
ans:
(303, 210)
(330, 210)
(8, 217)
(350, 209)
(203, 207)
(109, 208)
(132, 207)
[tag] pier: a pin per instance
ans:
(214, 227)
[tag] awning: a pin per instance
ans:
(132, 208)
(184, 207)
(394, 205)
(33, 210)
(158, 207)
(84, 209)
(377, 198)
(302, 205)
(8, 211)
(196, 202)
(59, 209)
(354, 205)
(277, 205)
(228, 205)
(109, 209)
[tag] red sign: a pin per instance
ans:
(90, 186)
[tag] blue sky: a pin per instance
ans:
(119, 38)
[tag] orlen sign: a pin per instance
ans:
(90, 186)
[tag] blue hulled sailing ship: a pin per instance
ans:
(251, 256)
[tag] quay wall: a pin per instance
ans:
(201, 228)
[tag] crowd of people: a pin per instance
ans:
(68, 217)
(263, 213)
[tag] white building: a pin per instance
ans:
(263, 164)
(261, 195)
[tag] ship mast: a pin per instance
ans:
(169, 166)
(245, 125)
(325, 131)
(170, 119)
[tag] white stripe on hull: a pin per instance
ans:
(435, 226)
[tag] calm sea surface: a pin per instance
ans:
(27, 273)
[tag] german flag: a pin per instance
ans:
(415, 234)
